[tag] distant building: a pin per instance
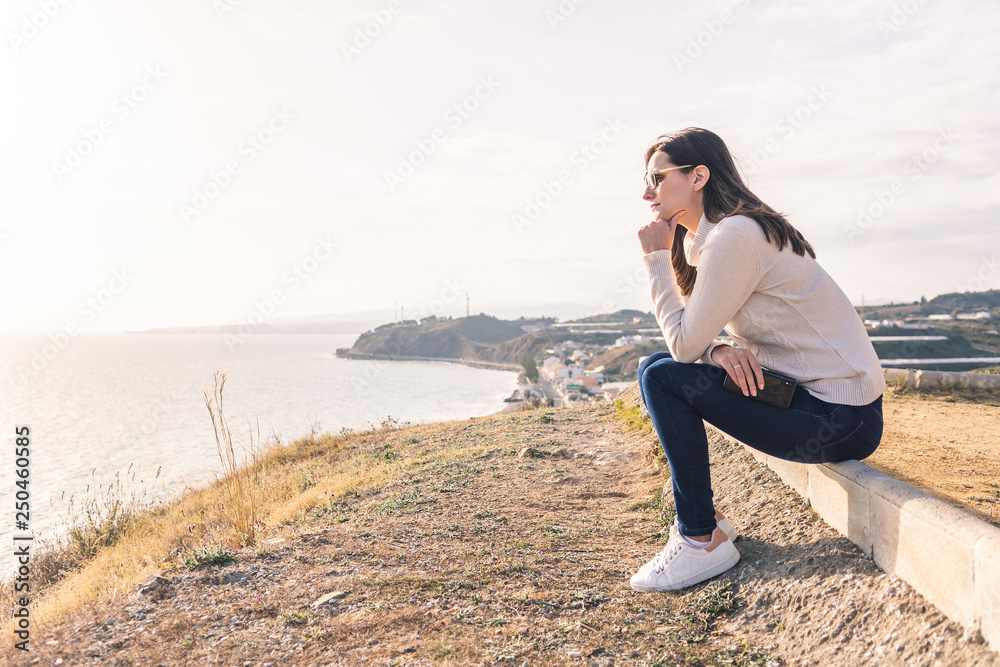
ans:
(981, 315)
(530, 328)
(611, 389)
(631, 340)
(875, 324)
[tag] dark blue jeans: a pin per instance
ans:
(679, 396)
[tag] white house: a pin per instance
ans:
(631, 340)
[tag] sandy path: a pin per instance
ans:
(949, 450)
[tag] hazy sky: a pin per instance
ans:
(211, 161)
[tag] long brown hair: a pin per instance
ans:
(725, 194)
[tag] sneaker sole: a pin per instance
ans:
(697, 579)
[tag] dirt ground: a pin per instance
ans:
(519, 553)
(945, 446)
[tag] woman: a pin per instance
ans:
(719, 258)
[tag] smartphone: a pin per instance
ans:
(778, 389)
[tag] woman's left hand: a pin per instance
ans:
(742, 366)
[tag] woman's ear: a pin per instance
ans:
(701, 176)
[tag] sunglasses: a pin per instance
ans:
(655, 177)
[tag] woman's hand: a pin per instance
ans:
(742, 366)
(659, 234)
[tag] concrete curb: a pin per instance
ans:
(917, 379)
(947, 555)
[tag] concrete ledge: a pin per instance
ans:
(987, 578)
(947, 555)
(794, 475)
(918, 379)
(839, 492)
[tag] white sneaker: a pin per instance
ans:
(724, 523)
(680, 565)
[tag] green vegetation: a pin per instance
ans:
(209, 555)
(530, 367)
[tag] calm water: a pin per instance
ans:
(104, 402)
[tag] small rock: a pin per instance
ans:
(329, 599)
(972, 637)
(235, 578)
(153, 587)
(527, 452)
(372, 642)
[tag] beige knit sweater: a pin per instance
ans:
(782, 307)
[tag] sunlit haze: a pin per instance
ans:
(195, 162)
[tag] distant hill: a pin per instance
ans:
(479, 337)
(622, 363)
(472, 337)
(619, 316)
(943, 304)
(966, 301)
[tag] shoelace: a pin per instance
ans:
(667, 555)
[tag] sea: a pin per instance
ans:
(124, 414)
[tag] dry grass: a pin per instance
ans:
(119, 541)
(242, 478)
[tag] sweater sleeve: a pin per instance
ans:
(728, 272)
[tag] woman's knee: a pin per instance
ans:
(649, 361)
(661, 374)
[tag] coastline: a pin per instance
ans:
(474, 363)
(508, 407)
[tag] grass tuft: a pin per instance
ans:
(242, 476)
